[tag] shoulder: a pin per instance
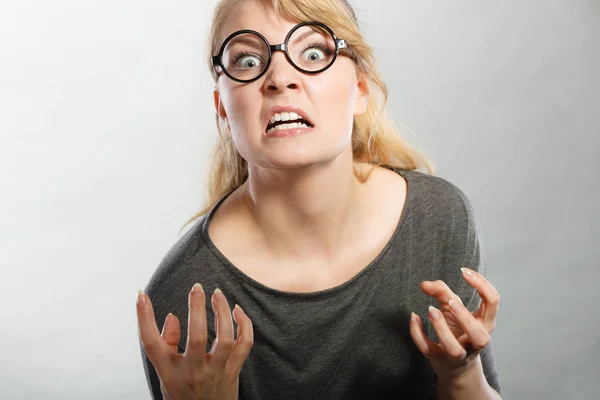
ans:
(438, 198)
(173, 265)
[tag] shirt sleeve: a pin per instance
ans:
(474, 258)
(464, 248)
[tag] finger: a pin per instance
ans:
(243, 343)
(171, 332)
(438, 290)
(429, 349)
(153, 344)
(475, 331)
(447, 339)
(490, 298)
(195, 348)
(223, 344)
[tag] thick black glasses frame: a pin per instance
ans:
(217, 61)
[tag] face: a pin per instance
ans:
(329, 99)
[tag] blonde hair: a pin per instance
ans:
(375, 138)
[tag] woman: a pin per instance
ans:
(321, 230)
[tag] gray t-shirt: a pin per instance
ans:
(348, 342)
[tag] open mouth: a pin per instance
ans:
(291, 124)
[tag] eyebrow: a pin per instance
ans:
(305, 35)
(255, 42)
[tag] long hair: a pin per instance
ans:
(375, 138)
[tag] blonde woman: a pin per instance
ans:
(321, 230)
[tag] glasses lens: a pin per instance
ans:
(311, 48)
(245, 56)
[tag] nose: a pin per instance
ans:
(281, 74)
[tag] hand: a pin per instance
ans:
(463, 335)
(195, 374)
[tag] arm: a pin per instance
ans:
(474, 382)
(474, 376)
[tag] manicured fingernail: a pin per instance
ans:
(469, 273)
(434, 312)
(216, 294)
(233, 312)
(141, 299)
(197, 289)
(455, 305)
(413, 317)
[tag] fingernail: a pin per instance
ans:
(434, 312)
(141, 299)
(217, 293)
(413, 317)
(455, 305)
(197, 289)
(233, 312)
(469, 273)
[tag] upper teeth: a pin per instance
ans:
(285, 116)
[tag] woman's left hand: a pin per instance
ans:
(463, 335)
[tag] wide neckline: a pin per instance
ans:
(230, 266)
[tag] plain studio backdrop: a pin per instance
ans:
(107, 118)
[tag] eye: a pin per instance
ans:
(316, 52)
(314, 55)
(247, 61)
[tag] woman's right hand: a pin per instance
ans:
(195, 374)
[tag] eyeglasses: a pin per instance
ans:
(311, 47)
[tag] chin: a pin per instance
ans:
(298, 159)
(298, 152)
(292, 162)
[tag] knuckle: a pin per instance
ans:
(483, 343)
(197, 340)
(458, 354)
(247, 344)
(495, 300)
(247, 340)
(193, 377)
(227, 345)
(166, 381)
(151, 345)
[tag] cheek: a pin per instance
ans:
(243, 111)
(334, 98)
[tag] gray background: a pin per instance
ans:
(106, 118)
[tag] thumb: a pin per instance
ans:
(171, 332)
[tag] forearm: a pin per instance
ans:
(469, 385)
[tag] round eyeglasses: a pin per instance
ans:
(311, 47)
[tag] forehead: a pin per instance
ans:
(258, 16)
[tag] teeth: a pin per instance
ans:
(285, 116)
(293, 125)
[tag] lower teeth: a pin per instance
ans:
(287, 126)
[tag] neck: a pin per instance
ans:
(306, 212)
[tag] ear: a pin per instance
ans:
(218, 105)
(362, 100)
